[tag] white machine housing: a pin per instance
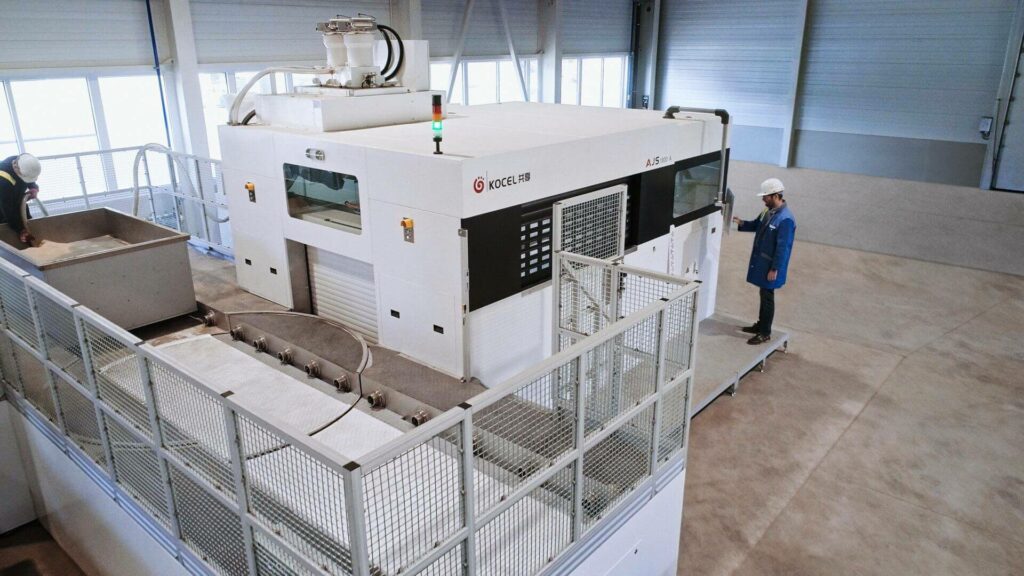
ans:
(416, 296)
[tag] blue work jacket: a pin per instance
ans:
(773, 243)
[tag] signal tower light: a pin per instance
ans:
(436, 124)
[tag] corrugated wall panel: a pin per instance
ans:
(732, 54)
(925, 69)
(79, 33)
(442, 23)
(596, 26)
(255, 31)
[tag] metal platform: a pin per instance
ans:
(724, 357)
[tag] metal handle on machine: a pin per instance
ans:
(723, 114)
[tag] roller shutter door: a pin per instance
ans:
(343, 290)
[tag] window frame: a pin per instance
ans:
(604, 56)
(463, 74)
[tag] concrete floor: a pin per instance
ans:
(890, 440)
(30, 551)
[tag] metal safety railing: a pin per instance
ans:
(180, 191)
(511, 482)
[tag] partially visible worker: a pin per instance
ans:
(18, 176)
(773, 230)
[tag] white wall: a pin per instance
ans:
(16, 503)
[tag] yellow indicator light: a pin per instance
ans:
(407, 223)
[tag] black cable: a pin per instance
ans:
(248, 117)
(343, 414)
(401, 51)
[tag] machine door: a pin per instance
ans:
(343, 290)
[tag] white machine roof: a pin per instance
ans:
(486, 130)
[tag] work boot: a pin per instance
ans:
(751, 329)
(759, 339)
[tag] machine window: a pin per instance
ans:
(323, 197)
(696, 187)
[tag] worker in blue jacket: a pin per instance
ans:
(773, 232)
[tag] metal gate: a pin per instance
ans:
(343, 290)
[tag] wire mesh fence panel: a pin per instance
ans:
(680, 327)
(17, 309)
(272, 560)
(523, 434)
(527, 536)
(209, 528)
(137, 470)
(674, 420)
(637, 291)
(453, 563)
(616, 465)
(296, 496)
(413, 502)
(35, 383)
(592, 224)
(585, 297)
(79, 415)
(60, 336)
(621, 373)
(118, 376)
(7, 364)
(192, 425)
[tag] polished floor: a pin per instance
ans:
(889, 440)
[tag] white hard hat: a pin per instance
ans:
(771, 186)
(28, 168)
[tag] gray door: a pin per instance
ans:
(1009, 169)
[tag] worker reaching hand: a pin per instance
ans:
(773, 230)
(18, 176)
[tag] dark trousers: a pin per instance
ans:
(767, 313)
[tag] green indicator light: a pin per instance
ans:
(436, 126)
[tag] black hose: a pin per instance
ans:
(401, 51)
(248, 117)
(388, 60)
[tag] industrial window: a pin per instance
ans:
(134, 116)
(487, 81)
(696, 187)
(594, 80)
(55, 115)
(8, 139)
(323, 197)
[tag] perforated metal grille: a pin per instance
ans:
(118, 377)
(451, 564)
(209, 528)
(272, 560)
(60, 337)
(413, 502)
(593, 227)
(620, 373)
(137, 470)
(523, 434)
(615, 465)
(80, 423)
(535, 248)
(673, 421)
(679, 325)
(528, 536)
(35, 383)
(193, 427)
(298, 497)
(17, 311)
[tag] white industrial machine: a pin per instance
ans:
(343, 204)
(495, 308)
